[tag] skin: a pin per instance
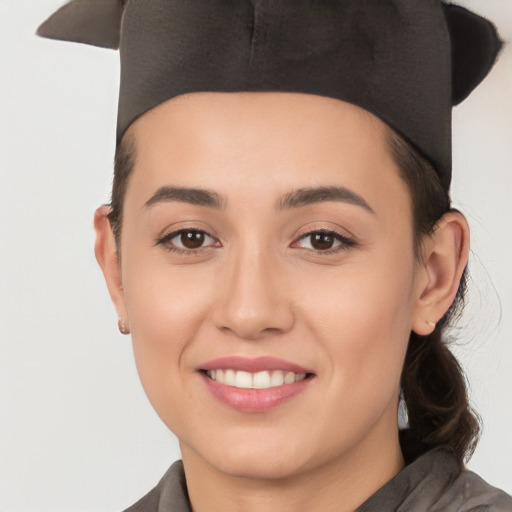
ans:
(258, 288)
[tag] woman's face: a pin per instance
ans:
(268, 232)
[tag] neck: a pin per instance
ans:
(340, 485)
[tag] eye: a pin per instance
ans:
(187, 240)
(324, 241)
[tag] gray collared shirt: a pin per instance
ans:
(432, 483)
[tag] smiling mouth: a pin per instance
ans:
(258, 380)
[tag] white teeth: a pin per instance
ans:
(277, 379)
(229, 378)
(289, 378)
(243, 380)
(259, 380)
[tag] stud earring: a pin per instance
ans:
(123, 329)
(432, 324)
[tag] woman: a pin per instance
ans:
(282, 248)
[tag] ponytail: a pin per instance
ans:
(435, 393)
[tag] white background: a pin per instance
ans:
(76, 431)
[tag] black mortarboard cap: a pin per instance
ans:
(406, 61)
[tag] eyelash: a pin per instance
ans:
(344, 242)
(178, 250)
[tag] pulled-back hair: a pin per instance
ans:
(124, 163)
(433, 383)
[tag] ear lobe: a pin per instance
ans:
(107, 258)
(445, 258)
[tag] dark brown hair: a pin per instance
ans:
(124, 163)
(433, 383)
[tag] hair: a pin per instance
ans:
(124, 162)
(434, 385)
(433, 382)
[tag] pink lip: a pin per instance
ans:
(253, 365)
(254, 400)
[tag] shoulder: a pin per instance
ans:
(148, 503)
(470, 493)
(435, 482)
(170, 493)
(439, 479)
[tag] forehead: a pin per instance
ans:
(265, 112)
(262, 142)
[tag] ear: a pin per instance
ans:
(445, 257)
(107, 258)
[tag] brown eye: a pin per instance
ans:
(192, 239)
(322, 241)
(188, 240)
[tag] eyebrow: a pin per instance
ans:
(312, 195)
(195, 196)
(295, 199)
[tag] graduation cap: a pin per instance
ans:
(406, 61)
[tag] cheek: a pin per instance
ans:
(362, 318)
(165, 310)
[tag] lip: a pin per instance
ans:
(253, 365)
(254, 400)
(248, 399)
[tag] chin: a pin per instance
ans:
(267, 460)
(260, 466)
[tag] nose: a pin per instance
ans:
(252, 301)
